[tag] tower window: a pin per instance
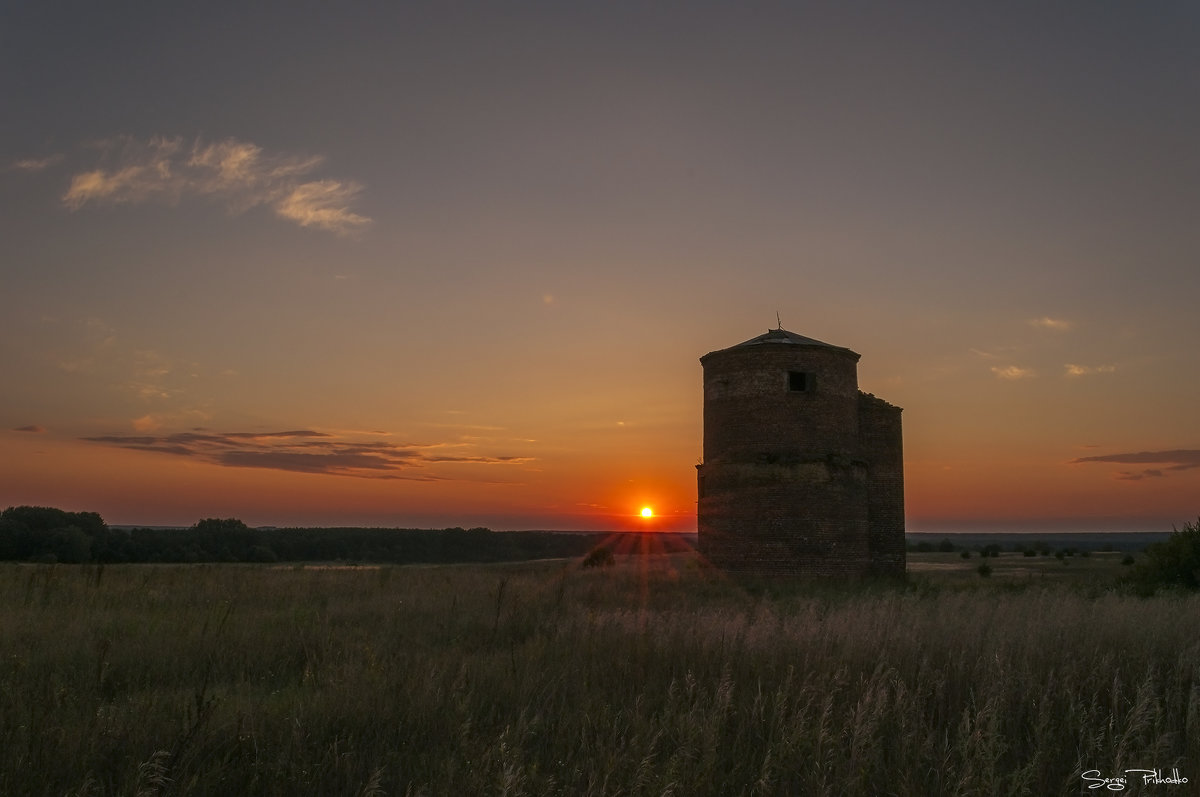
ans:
(800, 381)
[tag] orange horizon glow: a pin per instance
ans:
(130, 487)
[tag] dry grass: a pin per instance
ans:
(648, 678)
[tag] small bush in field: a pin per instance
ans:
(599, 557)
(984, 570)
(1175, 562)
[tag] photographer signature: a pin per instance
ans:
(1095, 780)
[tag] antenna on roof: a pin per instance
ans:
(778, 323)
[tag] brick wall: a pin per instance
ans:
(750, 413)
(883, 450)
(798, 483)
(802, 519)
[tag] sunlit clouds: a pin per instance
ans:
(1056, 324)
(239, 173)
(323, 204)
(1012, 372)
(93, 348)
(1071, 369)
(146, 423)
(36, 164)
(311, 451)
(1036, 353)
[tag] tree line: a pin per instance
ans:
(49, 535)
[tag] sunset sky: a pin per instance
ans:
(441, 264)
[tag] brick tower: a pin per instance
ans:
(803, 473)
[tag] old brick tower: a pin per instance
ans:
(803, 474)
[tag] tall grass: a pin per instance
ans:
(648, 678)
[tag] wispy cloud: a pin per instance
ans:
(1175, 460)
(35, 164)
(1013, 372)
(307, 451)
(324, 204)
(240, 173)
(1056, 324)
(1088, 370)
(34, 428)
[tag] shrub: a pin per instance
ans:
(599, 557)
(1175, 562)
(984, 570)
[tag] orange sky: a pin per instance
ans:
(416, 266)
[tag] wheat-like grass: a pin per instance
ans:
(654, 678)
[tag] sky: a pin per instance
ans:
(454, 264)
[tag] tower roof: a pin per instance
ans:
(781, 337)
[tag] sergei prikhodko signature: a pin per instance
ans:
(1095, 780)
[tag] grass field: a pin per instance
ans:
(649, 678)
(1098, 569)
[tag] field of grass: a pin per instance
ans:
(1098, 569)
(653, 677)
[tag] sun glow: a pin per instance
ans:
(647, 512)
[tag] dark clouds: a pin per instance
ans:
(1175, 460)
(307, 451)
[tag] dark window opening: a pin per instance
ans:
(800, 382)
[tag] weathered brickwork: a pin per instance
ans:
(883, 448)
(803, 474)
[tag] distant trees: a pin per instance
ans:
(44, 534)
(49, 535)
(924, 546)
(227, 540)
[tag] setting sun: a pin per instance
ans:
(647, 512)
